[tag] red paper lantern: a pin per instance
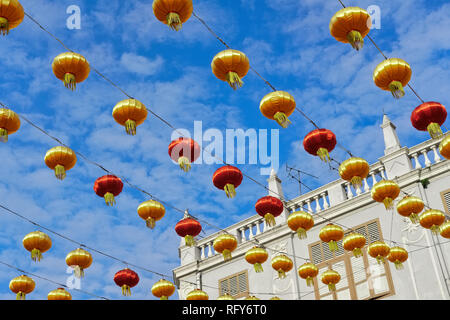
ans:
(184, 151)
(228, 178)
(429, 116)
(108, 186)
(269, 207)
(188, 228)
(320, 142)
(126, 279)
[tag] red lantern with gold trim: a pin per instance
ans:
(108, 187)
(269, 207)
(429, 116)
(227, 178)
(320, 142)
(126, 279)
(188, 228)
(184, 151)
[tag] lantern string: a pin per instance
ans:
(52, 281)
(385, 57)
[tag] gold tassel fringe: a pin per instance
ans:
(414, 217)
(258, 268)
(435, 130)
(36, 255)
(130, 127)
(355, 39)
(388, 203)
(78, 272)
(20, 296)
(435, 230)
(150, 222)
(309, 281)
(60, 172)
(69, 81)
(357, 252)
(164, 298)
(109, 199)
(126, 290)
(301, 233)
(356, 182)
(380, 259)
(396, 88)
(230, 190)
(333, 245)
(281, 274)
(226, 254)
(174, 21)
(234, 80)
(282, 119)
(323, 154)
(3, 135)
(398, 265)
(189, 240)
(184, 163)
(331, 287)
(4, 26)
(270, 219)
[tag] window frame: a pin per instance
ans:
(444, 203)
(240, 294)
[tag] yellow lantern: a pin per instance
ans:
(37, 243)
(354, 170)
(354, 242)
(331, 278)
(130, 113)
(378, 250)
(385, 191)
(9, 123)
(60, 159)
(197, 294)
(71, 68)
(331, 234)
(410, 207)
(300, 222)
(230, 66)
(351, 25)
(278, 106)
(11, 15)
(226, 296)
(251, 298)
(432, 219)
(225, 244)
(282, 264)
(445, 229)
(79, 260)
(256, 256)
(151, 211)
(59, 294)
(392, 75)
(308, 271)
(163, 289)
(173, 12)
(444, 147)
(22, 286)
(397, 256)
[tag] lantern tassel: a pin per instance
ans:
(36, 255)
(380, 259)
(397, 90)
(333, 245)
(109, 199)
(301, 233)
(226, 254)
(270, 219)
(60, 172)
(130, 127)
(258, 268)
(78, 272)
(230, 190)
(126, 290)
(164, 298)
(184, 163)
(356, 182)
(309, 281)
(174, 21)
(435, 230)
(357, 252)
(435, 130)
(3, 135)
(150, 223)
(355, 39)
(282, 119)
(323, 154)
(414, 217)
(189, 240)
(69, 81)
(4, 26)
(281, 274)
(20, 296)
(234, 80)
(331, 287)
(398, 265)
(388, 203)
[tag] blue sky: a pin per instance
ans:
(287, 41)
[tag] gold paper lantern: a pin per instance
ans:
(226, 296)
(173, 12)
(79, 260)
(130, 113)
(278, 106)
(410, 207)
(444, 147)
(351, 25)
(282, 264)
(60, 159)
(385, 191)
(151, 211)
(11, 15)
(37, 243)
(197, 294)
(392, 75)
(330, 278)
(397, 256)
(230, 66)
(432, 219)
(308, 271)
(256, 256)
(163, 289)
(59, 294)
(9, 123)
(354, 242)
(22, 286)
(71, 68)
(354, 170)
(378, 250)
(300, 222)
(331, 234)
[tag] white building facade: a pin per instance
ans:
(419, 171)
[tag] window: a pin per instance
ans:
(361, 278)
(445, 195)
(235, 285)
